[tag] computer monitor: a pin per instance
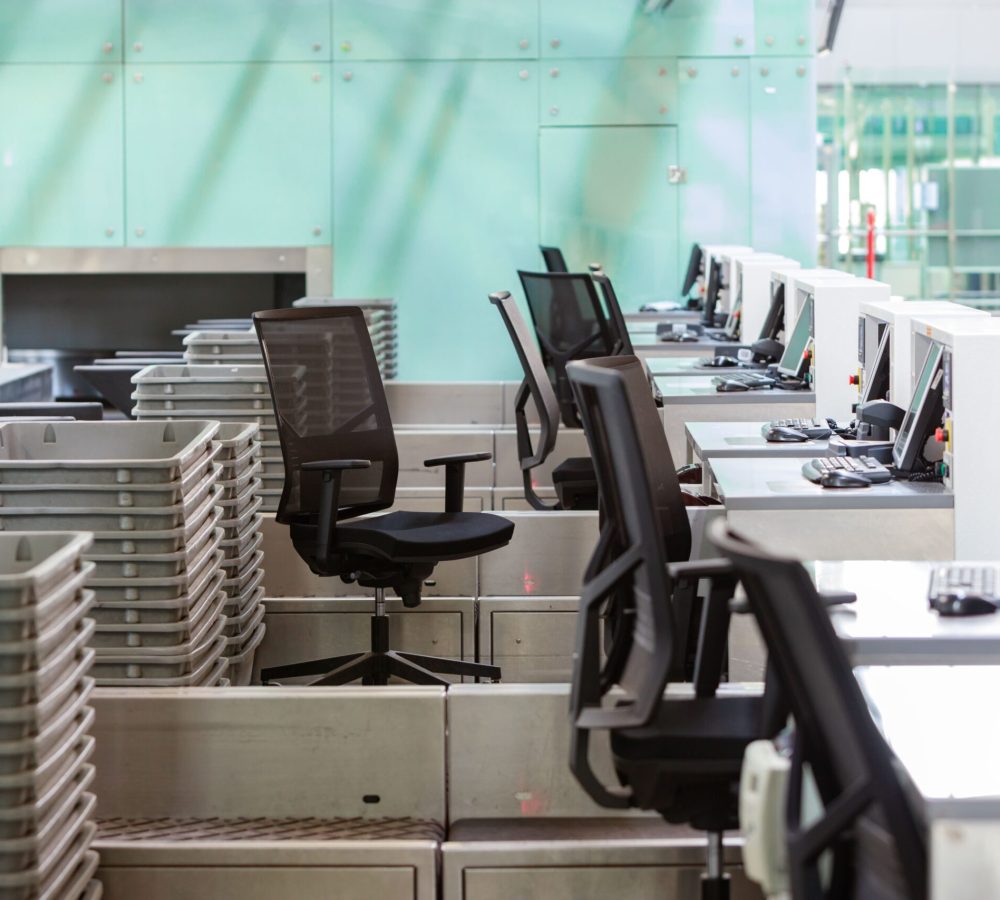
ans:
(733, 319)
(793, 360)
(693, 270)
(924, 414)
(877, 380)
(775, 320)
(711, 293)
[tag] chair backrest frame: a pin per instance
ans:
(329, 403)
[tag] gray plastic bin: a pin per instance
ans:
(102, 452)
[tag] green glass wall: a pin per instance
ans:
(432, 143)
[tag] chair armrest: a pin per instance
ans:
(332, 465)
(457, 458)
(454, 476)
(713, 627)
(700, 568)
(333, 471)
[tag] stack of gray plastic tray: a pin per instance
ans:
(149, 493)
(46, 809)
(228, 394)
(222, 348)
(380, 317)
(239, 456)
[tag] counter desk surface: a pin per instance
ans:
(778, 484)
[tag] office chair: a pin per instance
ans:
(877, 843)
(341, 462)
(574, 479)
(570, 323)
(554, 259)
(680, 755)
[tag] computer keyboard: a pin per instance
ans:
(752, 380)
(954, 580)
(864, 466)
(814, 429)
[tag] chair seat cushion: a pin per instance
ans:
(713, 730)
(425, 536)
(576, 468)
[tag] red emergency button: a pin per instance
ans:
(941, 435)
(853, 379)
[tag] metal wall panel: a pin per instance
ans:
(784, 27)
(228, 155)
(687, 27)
(61, 155)
(507, 752)
(714, 99)
(293, 752)
(68, 31)
(258, 882)
(605, 197)
(226, 30)
(546, 557)
(611, 91)
(431, 29)
(531, 639)
(435, 199)
(783, 159)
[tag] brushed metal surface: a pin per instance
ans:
(591, 882)
(309, 628)
(415, 446)
(259, 882)
(273, 752)
(437, 403)
(546, 557)
(569, 442)
(531, 639)
(286, 575)
(431, 499)
(507, 754)
(836, 534)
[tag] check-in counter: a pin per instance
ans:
(693, 400)
(709, 441)
(771, 502)
(257, 793)
(522, 827)
(439, 404)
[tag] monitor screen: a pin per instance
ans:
(775, 320)
(793, 361)
(924, 412)
(878, 373)
(733, 319)
(711, 293)
(693, 270)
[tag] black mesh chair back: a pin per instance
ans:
(554, 259)
(616, 318)
(536, 384)
(329, 403)
(645, 527)
(867, 819)
(569, 324)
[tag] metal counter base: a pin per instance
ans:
(255, 868)
(579, 859)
